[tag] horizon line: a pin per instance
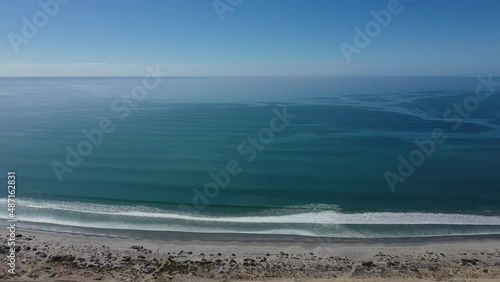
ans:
(228, 76)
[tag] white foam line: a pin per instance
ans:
(294, 217)
(273, 231)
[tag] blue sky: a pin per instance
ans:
(258, 37)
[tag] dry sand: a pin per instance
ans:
(50, 256)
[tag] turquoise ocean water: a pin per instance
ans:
(322, 175)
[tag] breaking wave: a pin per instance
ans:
(310, 220)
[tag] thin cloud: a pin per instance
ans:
(88, 64)
(93, 63)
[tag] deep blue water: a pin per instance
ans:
(322, 174)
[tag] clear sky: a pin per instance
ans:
(257, 37)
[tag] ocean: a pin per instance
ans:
(340, 157)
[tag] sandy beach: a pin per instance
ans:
(51, 256)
